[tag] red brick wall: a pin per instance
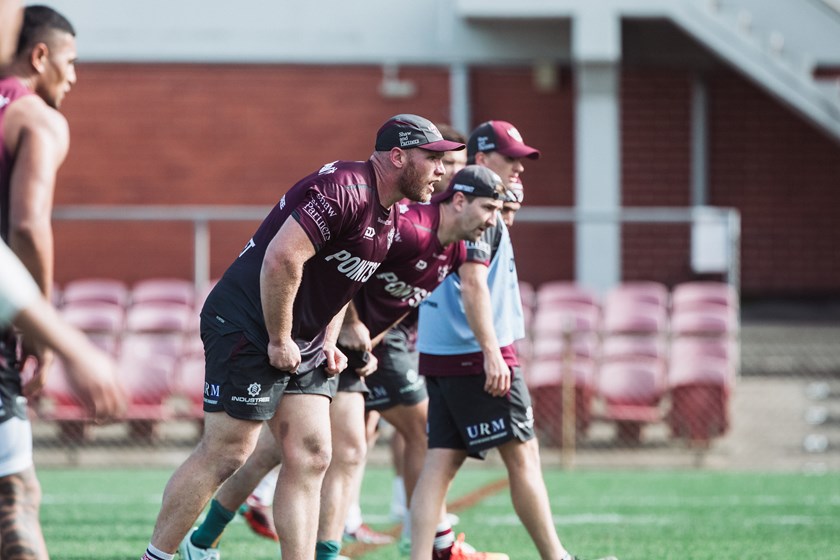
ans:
(655, 166)
(239, 134)
(545, 119)
(784, 176)
(196, 134)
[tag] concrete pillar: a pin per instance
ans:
(596, 51)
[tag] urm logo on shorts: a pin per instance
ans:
(486, 428)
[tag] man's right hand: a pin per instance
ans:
(284, 354)
(94, 380)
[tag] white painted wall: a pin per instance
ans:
(294, 31)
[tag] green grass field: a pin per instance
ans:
(107, 514)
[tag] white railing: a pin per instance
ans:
(727, 220)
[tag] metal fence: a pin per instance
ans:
(615, 380)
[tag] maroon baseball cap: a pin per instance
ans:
(413, 131)
(499, 136)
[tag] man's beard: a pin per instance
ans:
(411, 184)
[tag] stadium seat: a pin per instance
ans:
(618, 348)
(105, 290)
(58, 403)
(544, 378)
(149, 380)
(706, 320)
(688, 294)
(102, 322)
(584, 345)
(565, 292)
(631, 391)
(190, 387)
(635, 318)
(527, 294)
(699, 387)
(555, 319)
(163, 290)
(643, 292)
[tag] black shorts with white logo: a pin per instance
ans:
(462, 415)
(239, 380)
(396, 380)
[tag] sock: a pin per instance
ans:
(406, 527)
(153, 553)
(210, 531)
(327, 550)
(398, 496)
(354, 519)
(567, 555)
(444, 536)
(264, 491)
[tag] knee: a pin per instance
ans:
(223, 460)
(309, 456)
(349, 453)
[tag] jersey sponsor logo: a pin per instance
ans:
(421, 265)
(383, 222)
(487, 431)
(403, 208)
(354, 268)
(254, 389)
(370, 233)
(316, 208)
(328, 168)
(403, 291)
(479, 245)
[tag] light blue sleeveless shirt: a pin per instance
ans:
(443, 328)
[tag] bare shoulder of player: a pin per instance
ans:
(30, 118)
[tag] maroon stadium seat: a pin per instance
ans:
(631, 391)
(545, 382)
(163, 290)
(87, 290)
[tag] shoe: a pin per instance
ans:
(259, 518)
(366, 535)
(462, 551)
(189, 551)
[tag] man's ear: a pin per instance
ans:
(398, 157)
(459, 201)
(481, 158)
(38, 57)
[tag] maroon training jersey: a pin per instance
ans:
(11, 89)
(416, 264)
(338, 207)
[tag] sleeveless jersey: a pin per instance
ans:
(11, 89)
(416, 264)
(338, 207)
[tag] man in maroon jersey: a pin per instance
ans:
(269, 328)
(427, 247)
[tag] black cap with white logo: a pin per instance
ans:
(413, 131)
